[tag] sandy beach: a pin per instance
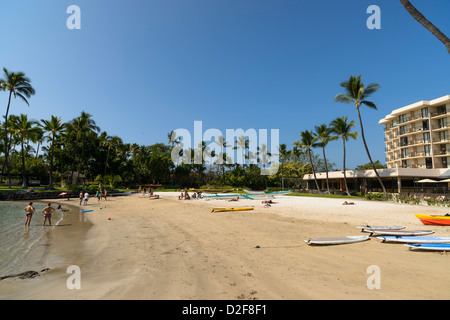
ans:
(131, 247)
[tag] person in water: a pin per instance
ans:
(29, 210)
(47, 211)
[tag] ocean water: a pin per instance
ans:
(24, 248)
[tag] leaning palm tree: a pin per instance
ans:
(25, 129)
(54, 127)
(308, 141)
(356, 92)
(426, 23)
(18, 85)
(342, 128)
(323, 134)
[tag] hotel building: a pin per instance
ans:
(417, 146)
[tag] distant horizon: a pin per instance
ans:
(144, 70)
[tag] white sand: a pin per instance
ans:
(177, 249)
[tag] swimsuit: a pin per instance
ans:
(47, 215)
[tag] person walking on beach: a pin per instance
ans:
(86, 198)
(105, 194)
(81, 197)
(29, 213)
(48, 214)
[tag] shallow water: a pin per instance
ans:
(25, 248)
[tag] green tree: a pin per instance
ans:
(324, 136)
(357, 93)
(25, 129)
(309, 141)
(18, 85)
(343, 129)
(54, 127)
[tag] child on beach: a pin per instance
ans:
(29, 213)
(81, 197)
(48, 214)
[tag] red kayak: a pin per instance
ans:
(436, 222)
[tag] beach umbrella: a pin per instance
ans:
(62, 193)
(446, 180)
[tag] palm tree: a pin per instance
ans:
(18, 85)
(308, 141)
(343, 130)
(84, 125)
(25, 129)
(356, 92)
(323, 134)
(426, 23)
(54, 127)
(284, 153)
(109, 142)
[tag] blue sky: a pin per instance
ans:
(144, 67)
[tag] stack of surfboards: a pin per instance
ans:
(437, 220)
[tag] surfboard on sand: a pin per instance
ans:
(412, 239)
(429, 246)
(86, 211)
(337, 240)
(400, 232)
(380, 228)
(230, 209)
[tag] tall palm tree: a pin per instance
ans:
(54, 127)
(25, 129)
(110, 142)
(426, 23)
(342, 128)
(323, 134)
(84, 126)
(284, 153)
(18, 85)
(308, 141)
(356, 92)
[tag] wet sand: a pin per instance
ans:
(136, 248)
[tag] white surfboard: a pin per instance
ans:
(337, 240)
(380, 228)
(401, 232)
(407, 239)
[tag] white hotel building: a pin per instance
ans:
(417, 138)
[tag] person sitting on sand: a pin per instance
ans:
(48, 214)
(29, 213)
(156, 196)
(234, 199)
(268, 201)
(347, 203)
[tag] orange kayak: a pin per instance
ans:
(436, 222)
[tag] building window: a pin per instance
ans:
(441, 109)
(424, 112)
(442, 123)
(444, 162)
(402, 129)
(404, 163)
(426, 150)
(403, 141)
(426, 137)
(443, 135)
(425, 125)
(402, 118)
(404, 153)
(429, 163)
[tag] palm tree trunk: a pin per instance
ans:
(50, 182)
(24, 177)
(6, 141)
(314, 171)
(426, 23)
(326, 168)
(368, 153)
(345, 176)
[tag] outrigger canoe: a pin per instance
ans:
(230, 209)
(212, 190)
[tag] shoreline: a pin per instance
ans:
(136, 248)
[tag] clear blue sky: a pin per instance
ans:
(144, 67)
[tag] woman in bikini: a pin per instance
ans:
(48, 214)
(29, 212)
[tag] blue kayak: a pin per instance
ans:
(412, 239)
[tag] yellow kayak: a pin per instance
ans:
(434, 217)
(230, 209)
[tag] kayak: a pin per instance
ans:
(230, 209)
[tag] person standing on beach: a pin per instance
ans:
(105, 194)
(86, 198)
(48, 214)
(29, 212)
(81, 197)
